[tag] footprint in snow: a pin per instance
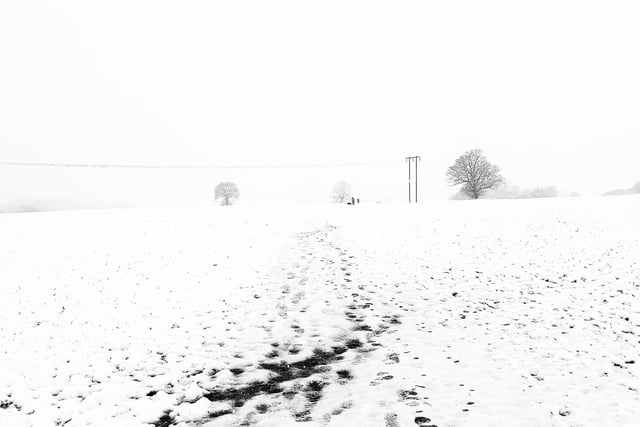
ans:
(391, 420)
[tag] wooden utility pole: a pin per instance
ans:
(413, 159)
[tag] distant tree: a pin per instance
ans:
(475, 173)
(544, 192)
(341, 192)
(506, 190)
(633, 190)
(227, 193)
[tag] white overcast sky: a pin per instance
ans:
(549, 89)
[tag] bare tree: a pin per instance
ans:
(475, 173)
(341, 192)
(227, 192)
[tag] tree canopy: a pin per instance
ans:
(475, 173)
(227, 193)
(341, 192)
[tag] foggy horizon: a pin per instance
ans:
(46, 187)
(549, 91)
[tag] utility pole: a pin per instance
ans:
(408, 160)
(413, 159)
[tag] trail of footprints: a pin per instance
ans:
(299, 384)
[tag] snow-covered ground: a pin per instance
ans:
(512, 313)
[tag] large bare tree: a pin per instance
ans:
(475, 173)
(341, 192)
(227, 193)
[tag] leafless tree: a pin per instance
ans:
(475, 173)
(227, 192)
(341, 192)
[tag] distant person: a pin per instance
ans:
(353, 200)
(358, 200)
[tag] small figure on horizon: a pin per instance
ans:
(353, 200)
(358, 200)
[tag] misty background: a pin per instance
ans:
(549, 90)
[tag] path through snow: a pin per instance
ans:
(514, 314)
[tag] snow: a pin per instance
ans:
(514, 313)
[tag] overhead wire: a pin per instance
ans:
(179, 166)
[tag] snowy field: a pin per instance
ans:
(488, 313)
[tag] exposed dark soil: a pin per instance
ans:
(344, 374)
(165, 420)
(353, 343)
(217, 414)
(283, 372)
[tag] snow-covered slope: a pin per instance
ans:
(457, 313)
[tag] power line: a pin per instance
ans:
(278, 166)
(143, 166)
